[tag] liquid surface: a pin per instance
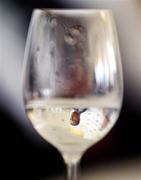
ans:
(54, 123)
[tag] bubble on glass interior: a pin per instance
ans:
(75, 31)
(75, 35)
(69, 39)
(53, 22)
(38, 48)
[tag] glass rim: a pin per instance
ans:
(75, 10)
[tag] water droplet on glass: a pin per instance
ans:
(38, 48)
(69, 39)
(57, 73)
(75, 31)
(52, 48)
(52, 52)
(53, 22)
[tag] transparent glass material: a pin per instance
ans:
(72, 84)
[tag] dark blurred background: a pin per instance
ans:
(25, 155)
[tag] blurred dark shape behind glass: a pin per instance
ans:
(19, 143)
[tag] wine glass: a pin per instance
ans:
(73, 84)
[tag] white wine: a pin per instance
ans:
(52, 119)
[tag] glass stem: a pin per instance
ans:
(72, 162)
(72, 169)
